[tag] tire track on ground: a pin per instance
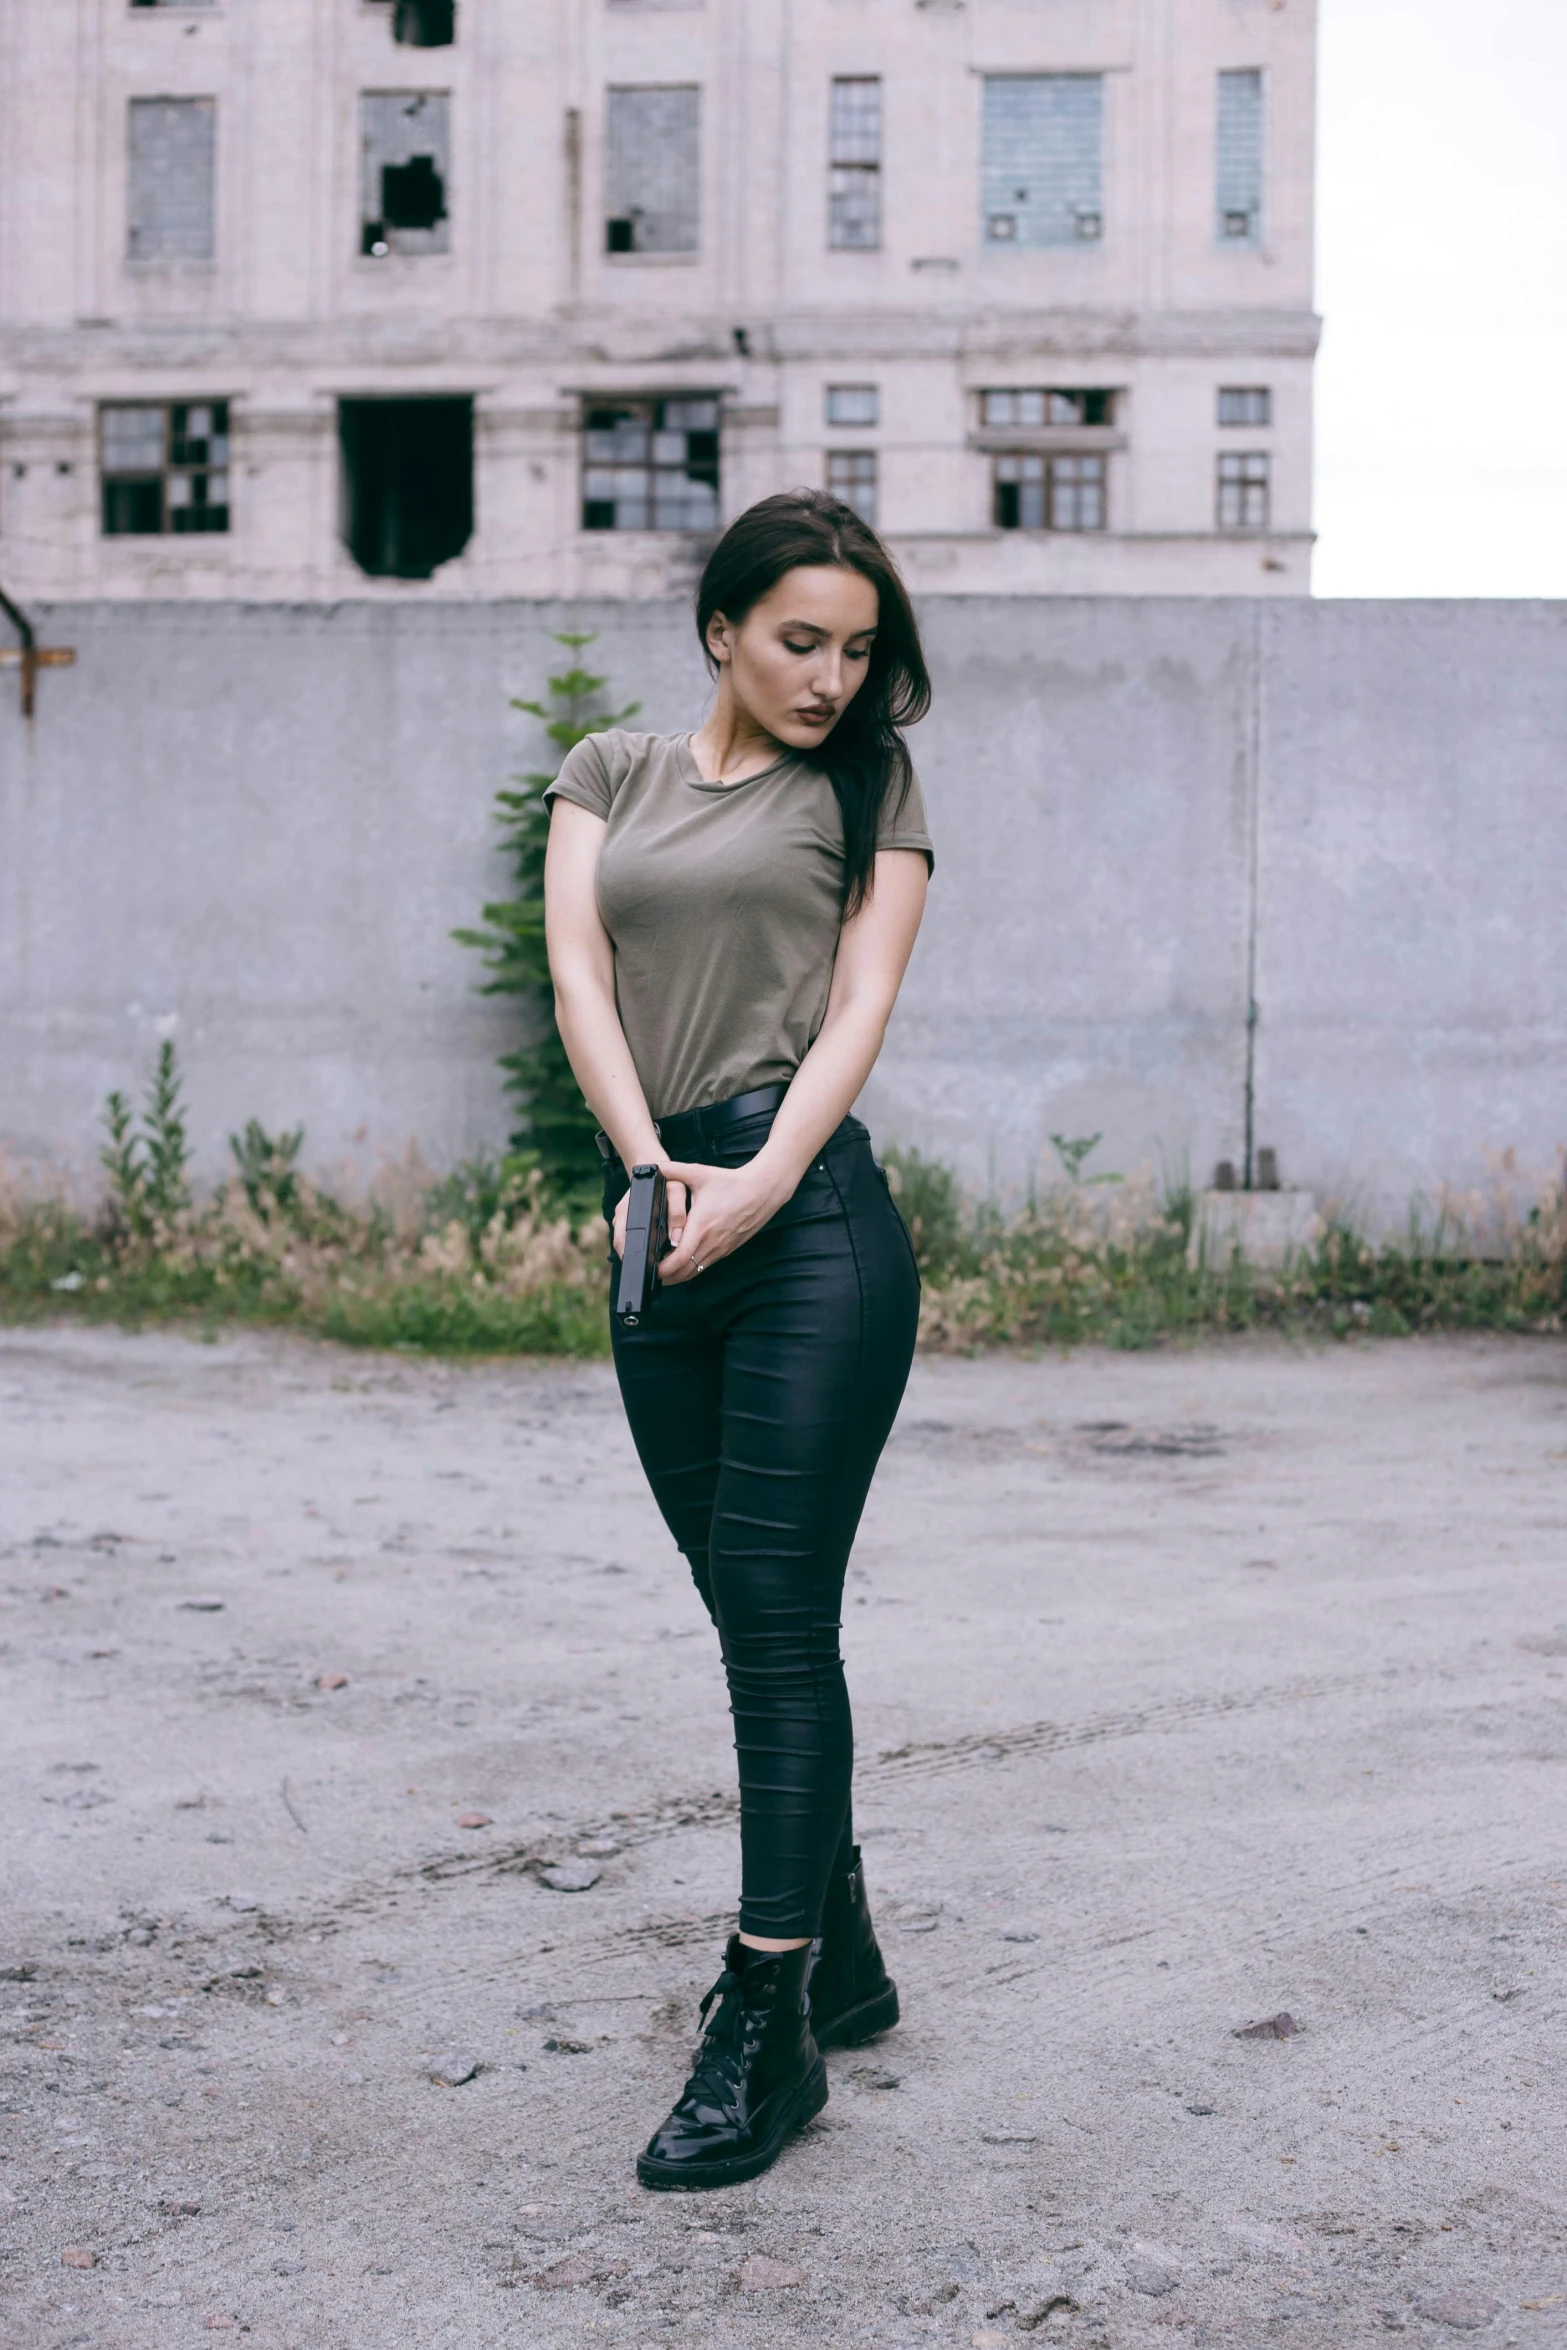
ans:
(936, 1758)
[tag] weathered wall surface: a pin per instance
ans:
(1412, 881)
(256, 826)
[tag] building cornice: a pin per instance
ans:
(116, 354)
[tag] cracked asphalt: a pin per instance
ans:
(1192, 1690)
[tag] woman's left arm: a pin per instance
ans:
(729, 1204)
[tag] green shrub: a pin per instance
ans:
(556, 1129)
(146, 1169)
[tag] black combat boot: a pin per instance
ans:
(758, 2075)
(852, 1995)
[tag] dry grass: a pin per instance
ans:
(527, 1278)
(1112, 1263)
(487, 1262)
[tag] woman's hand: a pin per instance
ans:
(727, 1205)
(674, 1212)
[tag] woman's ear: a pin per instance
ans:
(718, 637)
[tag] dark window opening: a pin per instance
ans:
(132, 509)
(620, 236)
(413, 194)
(425, 24)
(164, 467)
(407, 483)
(651, 464)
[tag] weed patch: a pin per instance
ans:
(490, 1260)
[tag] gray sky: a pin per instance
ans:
(1442, 274)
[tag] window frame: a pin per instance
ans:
(1053, 473)
(619, 252)
(852, 494)
(1245, 394)
(998, 225)
(1047, 420)
(862, 173)
(170, 468)
(439, 231)
(704, 468)
(1229, 475)
(1250, 239)
(138, 102)
(869, 421)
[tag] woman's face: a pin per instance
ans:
(799, 657)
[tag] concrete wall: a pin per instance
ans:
(255, 827)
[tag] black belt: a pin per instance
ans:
(714, 1117)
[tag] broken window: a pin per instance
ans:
(404, 144)
(1041, 408)
(853, 404)
(164, 466)
(650, 464)
(423, 24)
(1238, 175)
(1040, 176)
(653, 169)
(851, 476)
(1243, 492)
(1049, 493)
(1245, 404)
(171, 148)
(407, 483)
(854, 164)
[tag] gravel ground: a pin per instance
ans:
(1192, 1689)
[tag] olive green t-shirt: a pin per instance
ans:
(723, 902)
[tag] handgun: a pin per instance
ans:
(647, 1241)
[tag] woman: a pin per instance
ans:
(729, 917)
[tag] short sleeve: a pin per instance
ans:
(902, 823)
(584, 778)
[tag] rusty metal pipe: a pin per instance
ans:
(30, 656)
(24, 629)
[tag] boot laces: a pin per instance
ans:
(717, 2063)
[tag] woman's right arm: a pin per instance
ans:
(582, 966)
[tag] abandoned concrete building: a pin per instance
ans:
(527, 297)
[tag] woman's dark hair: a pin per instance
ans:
(865, 756)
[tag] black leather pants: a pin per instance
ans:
(760, 1394)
